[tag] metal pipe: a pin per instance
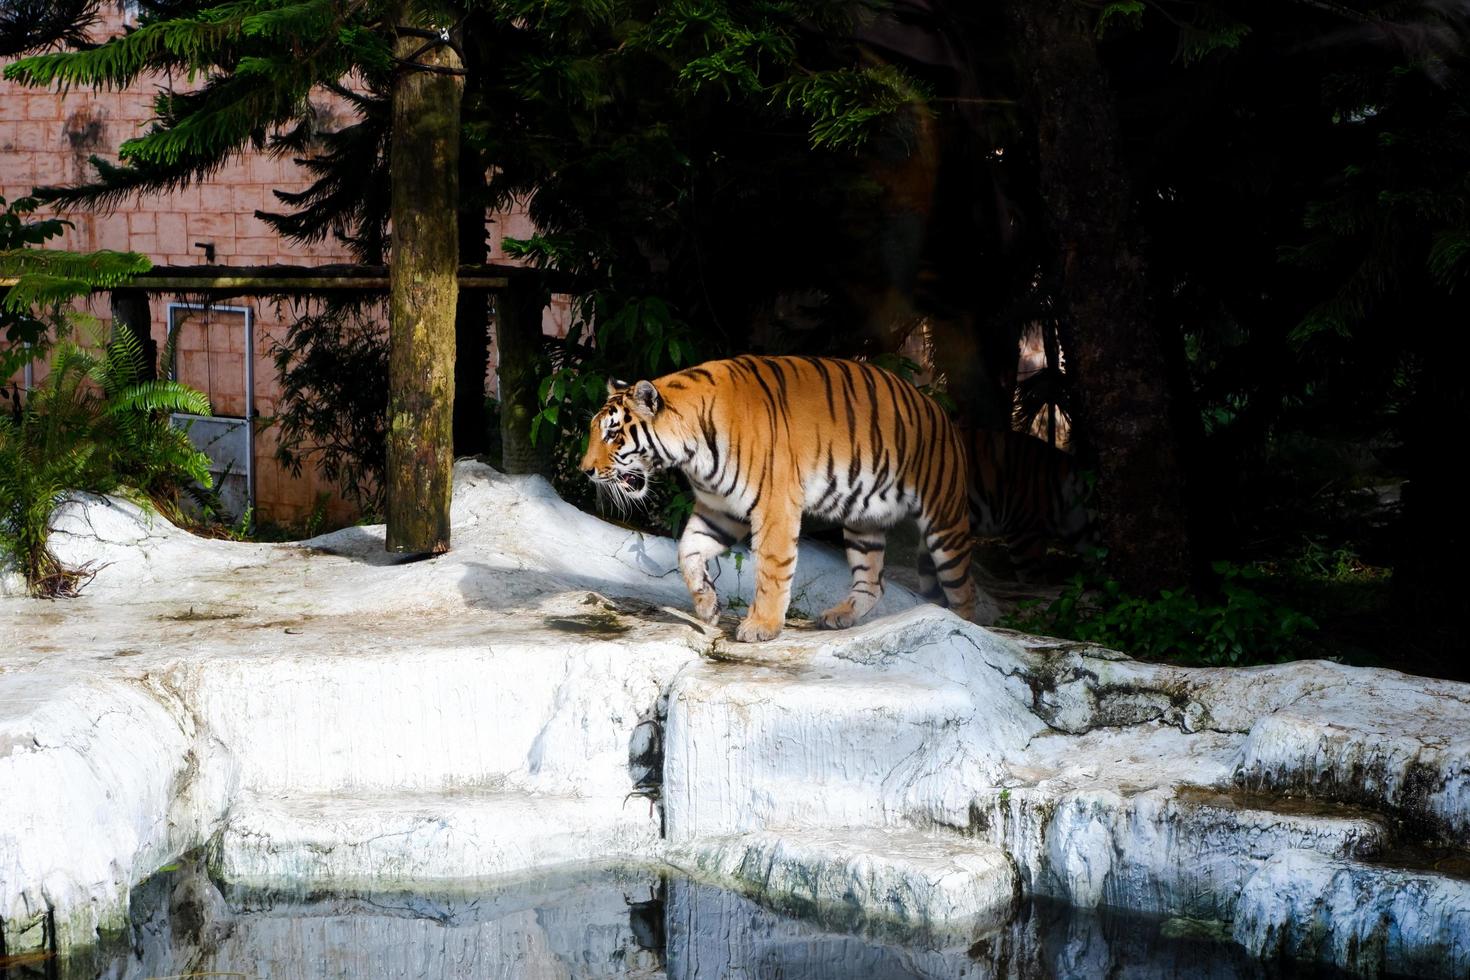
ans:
(250, 411)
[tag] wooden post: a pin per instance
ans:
(130, 307)
(424, 164)
(519, 340)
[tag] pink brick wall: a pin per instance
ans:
(46, 138)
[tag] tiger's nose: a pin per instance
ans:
(589, 470)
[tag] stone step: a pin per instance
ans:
(876, 880)
(1365, 918)
(839, 729)
(392, 839)
(1183, 851)
(1399, 758)
(1134, 818)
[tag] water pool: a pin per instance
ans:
(612, 922)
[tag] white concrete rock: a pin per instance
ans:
(325, 842)
(867, 727)
(1165, 850)
(196, 678)
(100, 783)
(911, 881)
(1368, 919)
(323, 714)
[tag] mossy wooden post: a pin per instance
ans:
(518, 340)
(423, 284)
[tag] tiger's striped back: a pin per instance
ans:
(1028, 493)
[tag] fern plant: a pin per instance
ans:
(94, 426)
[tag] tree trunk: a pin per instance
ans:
(518, 337)
(423, 284)
(1112, 339)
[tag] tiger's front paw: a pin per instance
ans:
(707, 607)
(751, 630)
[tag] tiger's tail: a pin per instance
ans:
(1028, 493)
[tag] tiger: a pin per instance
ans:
(765, 440)
(1027, 492)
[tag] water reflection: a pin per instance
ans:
(615, 923)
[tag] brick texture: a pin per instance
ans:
(47, 139)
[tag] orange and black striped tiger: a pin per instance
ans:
(1027, 492)
(764, 440)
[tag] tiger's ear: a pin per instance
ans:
(614, 386)
(646, 399)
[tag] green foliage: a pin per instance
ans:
(92, 427)
(630, 339)
(1238, 626)
(1116, 13)
(259, 61)
(850, 106)
(31, 25)
(48, 277)
(333, 367)
(639, 338)
(735, 601)
(1210, 32)
(1397, 218)
(34, 311)
(1319, 562)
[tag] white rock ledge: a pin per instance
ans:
(938, 886)
(319, 715)
(324, 841)
(1364, 918)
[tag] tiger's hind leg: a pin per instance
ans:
(929, 589)
(949, 553)
(865, 558)
(1027, 551)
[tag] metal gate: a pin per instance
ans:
(218, 358)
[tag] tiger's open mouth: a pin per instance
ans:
(632, 482)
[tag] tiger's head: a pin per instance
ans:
(623, 452)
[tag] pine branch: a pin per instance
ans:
(48, 277)
(34, 25)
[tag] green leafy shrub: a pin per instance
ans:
(1237, 626)
(635, 338)
(92, 427)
